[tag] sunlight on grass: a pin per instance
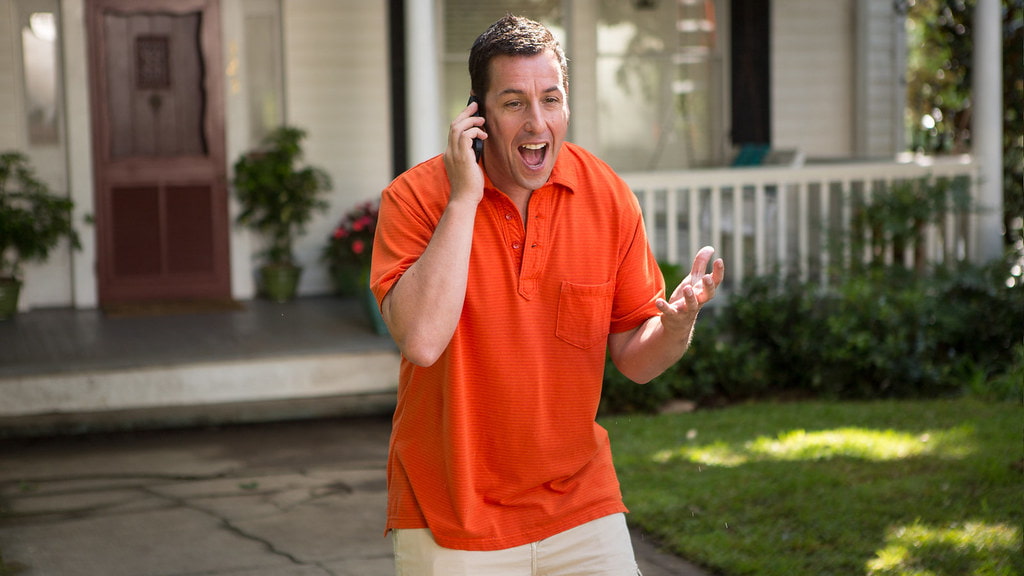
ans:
(717, 454)
(971, 548)
(862, 443)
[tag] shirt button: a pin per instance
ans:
(508, 216)
(515, 245)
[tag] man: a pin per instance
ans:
(504, 281)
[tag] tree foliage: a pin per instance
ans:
(939, 81)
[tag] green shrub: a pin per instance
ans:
(720, 369)
(976, 318)
(878, 330)
(874, 341)
(620, 395)
(770, 316)
(1006, 386)
(886, 332)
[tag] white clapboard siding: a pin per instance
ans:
(812, 76)
(880, 57)
(338, 89)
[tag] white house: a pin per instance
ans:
(138, 108)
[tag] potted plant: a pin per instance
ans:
(347, 255)
(278, 198)
(32, 222)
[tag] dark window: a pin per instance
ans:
(399, 139)
(751, 72)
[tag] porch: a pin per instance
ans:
(69, 370)
(65, 370)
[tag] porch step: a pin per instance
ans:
(284, 388)
(66, 371)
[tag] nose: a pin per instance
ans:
(534, 120)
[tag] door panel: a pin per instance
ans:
(161, 187)
(189, 222)
(135, 226)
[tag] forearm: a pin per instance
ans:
(647, 351)
(644, 353)
(423, 308)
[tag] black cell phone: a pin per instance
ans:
(478, 144)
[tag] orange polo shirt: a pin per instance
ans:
(496, 444)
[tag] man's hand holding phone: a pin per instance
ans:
(423, 308)
(478, 143)
(461, 158)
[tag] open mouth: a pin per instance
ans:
(533, 154)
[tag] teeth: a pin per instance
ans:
(534, 146)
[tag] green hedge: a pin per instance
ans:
(885, 332)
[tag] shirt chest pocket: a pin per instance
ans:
(584, 313)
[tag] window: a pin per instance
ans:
(658, 69)
(656, 88)
(751, 81)
(40, 53)
(464, 20)
(263, 68)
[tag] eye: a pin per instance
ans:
(513, 104)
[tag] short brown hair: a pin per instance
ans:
(511, 36)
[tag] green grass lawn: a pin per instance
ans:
(922, 488)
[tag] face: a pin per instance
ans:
(527, 112)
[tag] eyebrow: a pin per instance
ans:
(516, 91)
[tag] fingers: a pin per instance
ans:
(718, 272)
(700, 285)
(700, 266)
(464, 128)
(684, 297)
(464, 175)
(700, 262)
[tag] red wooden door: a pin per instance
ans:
(158, 148)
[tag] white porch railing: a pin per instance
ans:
(779, 218)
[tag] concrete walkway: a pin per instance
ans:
(293, 499)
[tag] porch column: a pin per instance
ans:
(987, 127)
(581, 50)
(84, 282)
(423, 80)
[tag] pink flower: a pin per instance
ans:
(352, 238)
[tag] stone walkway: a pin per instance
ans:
(292, 499)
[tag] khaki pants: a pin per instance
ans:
(598, 548)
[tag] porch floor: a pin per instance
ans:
(49, 341)
(55, 351)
